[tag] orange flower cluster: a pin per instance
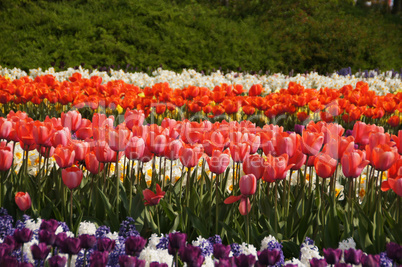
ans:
(347, 103)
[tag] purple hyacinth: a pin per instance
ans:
(102, 231)
(6, 224)
(163, 242)
(216, 239)
(384, 260)
(127, 228)
(235, 248)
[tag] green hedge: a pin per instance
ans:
(253, 35)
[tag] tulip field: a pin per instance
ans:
(195, 170)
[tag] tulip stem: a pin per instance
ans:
(399, 212)
(131, 191)
(116, 172)
(216, 203)
(85, 258)
(276, 208)
(22, 252)
(71, 209)
(247, 224)
(287, 206)
(350, 205)
(187, 192)
(157, 219)
(170, 181)
(1, 188)
(69, 260)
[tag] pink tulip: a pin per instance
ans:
(135, 148)
(6, 156)
(248, 184)
(71, 120)
(23, 201)
(353, 162)
(72, 177)
(219, 161)
(254, 164)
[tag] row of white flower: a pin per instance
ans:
(381, 83)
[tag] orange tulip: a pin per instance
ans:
(92, 164)
(325, 165)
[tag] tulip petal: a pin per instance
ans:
(232, 199)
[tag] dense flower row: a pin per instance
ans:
(32, 243)
(347, 104)
(381, 83)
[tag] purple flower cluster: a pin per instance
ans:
(6, 224)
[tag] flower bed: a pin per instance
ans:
(48, 241)
(302, 163)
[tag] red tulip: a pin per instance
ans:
(6, 156)
(311, 142)
(219, 161)
(25, 132)
(254, 164)
(135, 148)
(353, 162)
(81, 149)
(248, 184)
(361, 132)
(286, 143)
(64, 156)
(173, 148)
(42, 132)
(157, 143)
(152, 199)
(396, 169)
(276, 168)
(101, 120)
(298, 160)
(103, 152)
(239, 152)
(382, 157)
(213, 141)
(396, 186)
(5, 128)
(72, 177)
(190, 155)
(325, 165)
(398, 141)
(61, 137)
(23, 201)
(92, 163)
(134, 118)
(336, 146)
(71, 120)
(253, 140)
(119, 138)
(85, 130)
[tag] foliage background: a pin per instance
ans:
(275, 35)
